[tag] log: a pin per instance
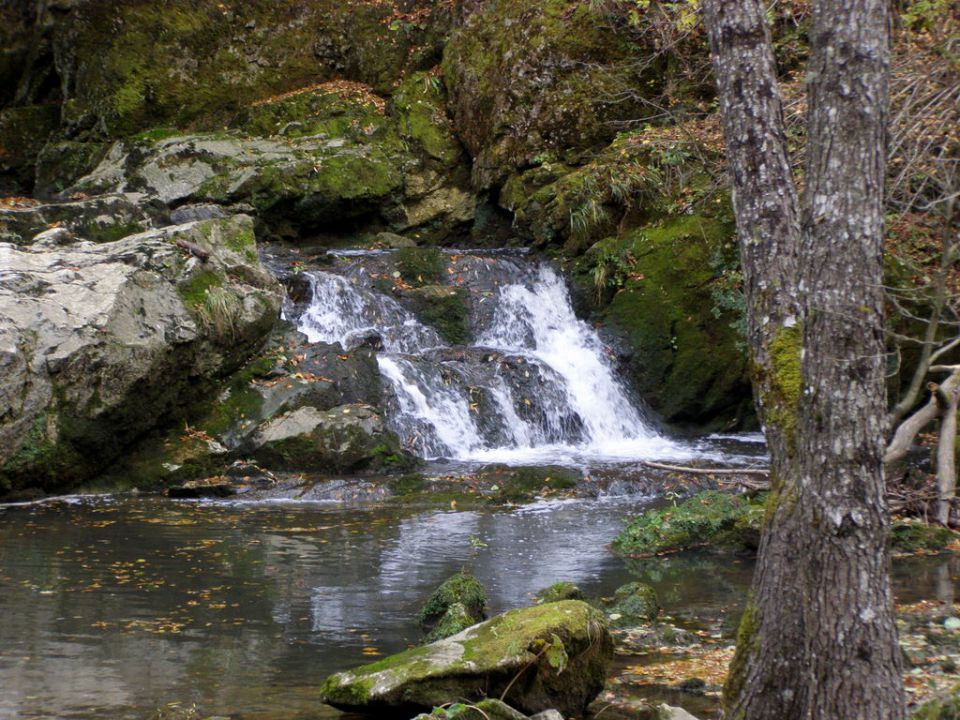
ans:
(193, 249)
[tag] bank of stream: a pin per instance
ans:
(128, 607)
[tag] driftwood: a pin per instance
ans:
(193, 249)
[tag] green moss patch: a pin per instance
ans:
(463, 589)
(708, 518)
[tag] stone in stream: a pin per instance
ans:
(560, 590)
(454, 606)
(634, 604)
(552, 656)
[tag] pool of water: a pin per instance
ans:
(118, 607)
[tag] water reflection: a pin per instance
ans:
(116, 609)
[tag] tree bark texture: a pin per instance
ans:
(818, 638)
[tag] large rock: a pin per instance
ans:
(529, 78)
(126, 65)
(550, 656)
(312, 160)
(345, 438)
(99, 219)
(101, 342)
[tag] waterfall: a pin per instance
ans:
(536, 385)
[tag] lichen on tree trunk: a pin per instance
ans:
(819, 640)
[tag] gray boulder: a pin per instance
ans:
(101, 342)
(552, 656)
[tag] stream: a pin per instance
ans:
(139, 607)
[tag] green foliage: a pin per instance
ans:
(708, 518)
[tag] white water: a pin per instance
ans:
(536, 388)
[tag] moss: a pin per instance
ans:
(109, 233)
(911, 536)
(518, 485)
(560, 590)
(461, 588)
(653, 290)
(708, 518)
(419, 104)
(420, 266)
(193, 292)
(23, 133)
(633, 604)
(446, 309)
(781, 402)
(747, 642)
(410, 484)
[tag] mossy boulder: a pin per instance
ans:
(709, 518)
(667, 298)
(549, 656)
(526, 78)
(633, 604)
(444, 308)
(343, 439)
(455, 605)
(524, 484)
(912, 536)
(560, 590)
(100, 343)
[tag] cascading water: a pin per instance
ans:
(535, 386)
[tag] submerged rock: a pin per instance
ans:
(633, 604)
(552, 656)
(561, 590)
(457, 604)
(100, 343)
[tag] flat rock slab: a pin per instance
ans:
(552, 656)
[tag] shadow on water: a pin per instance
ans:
(117, 608)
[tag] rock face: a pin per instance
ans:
(325, 157)
(98, 343)
(529, 77)
(556, 655)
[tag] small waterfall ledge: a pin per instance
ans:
(533, 386)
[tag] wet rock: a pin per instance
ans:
(667, 712)
(457, 604)
(561, 590)
(345, 438)
(489, 709)
(633, 604)
(101, 343)
(444, 308)
(23, 132)
(209, 487)
(104, 218)
(393, 241)
(552, 656)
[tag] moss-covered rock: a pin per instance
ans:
(457, 604)
(708, 518)
(346, 438)
(911, 536)
(129, 66)
(531, 77)
(523, 484)
(560, 590)
(664, 295)
(444, 308)
(633, 604)
(549, 656)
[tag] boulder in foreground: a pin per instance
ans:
(549, 656)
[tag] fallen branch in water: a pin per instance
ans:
(705, 471)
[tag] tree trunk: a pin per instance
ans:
(818, 638)
(946, 458)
